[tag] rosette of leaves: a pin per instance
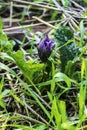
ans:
(65, 41)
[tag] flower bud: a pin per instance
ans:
(45, 48)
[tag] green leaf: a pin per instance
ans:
(3, 37)
(28, 68)
(62, 107)
(68, 126)
(81, 32)
(16, 98)
(2, 103)
(22, 127)
(41, 127)
(65, 2)
(5, 44)
(82, 98)
(1, 84)
(2, 94)
(67, 48)
(82, 69)
(56, 114)
(62, 77)
(85, 1)
(4, 56)
(62, 35)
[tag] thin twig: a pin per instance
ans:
(35, 4)
(44, 102)
(77, 5)
(11, 12)
(34, 112)
(42, 21)
(29, 118)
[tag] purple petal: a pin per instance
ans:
(41, 45)
(45, 48)
(47, 38)
(51, 44)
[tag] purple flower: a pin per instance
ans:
(45, 48)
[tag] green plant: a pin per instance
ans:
(65, 42)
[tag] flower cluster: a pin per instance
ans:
(45, 48)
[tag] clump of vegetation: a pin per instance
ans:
(65, 40)
(43, 65)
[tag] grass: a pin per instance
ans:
(36, 95)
